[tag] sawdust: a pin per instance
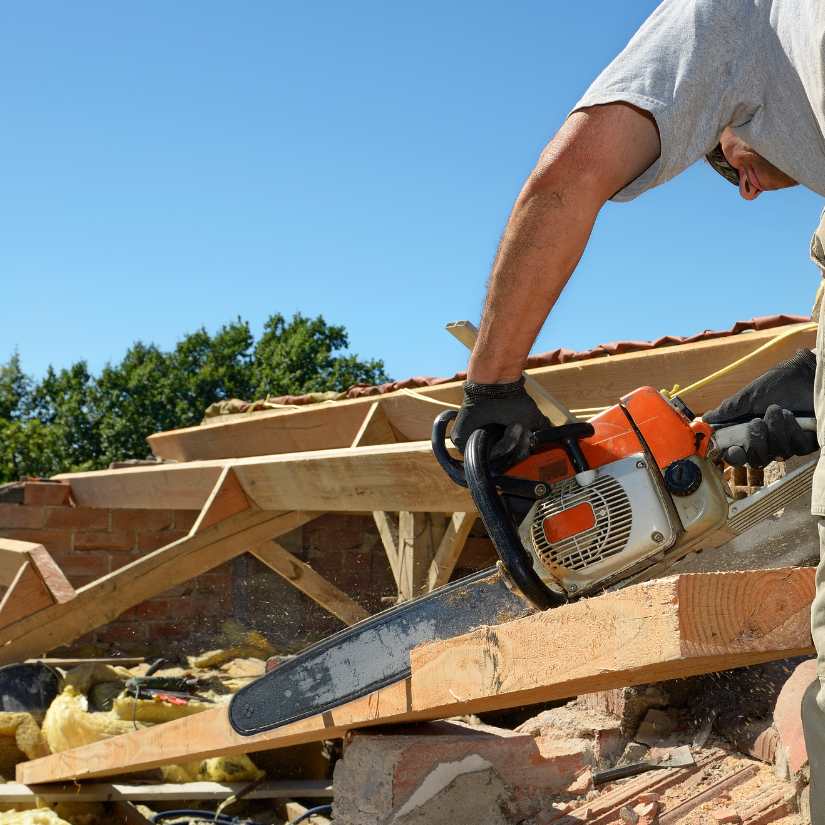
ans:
(238, 642)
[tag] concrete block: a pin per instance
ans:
(446, 773)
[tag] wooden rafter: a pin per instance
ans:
(301, 576)
(449, 549)
(591, 383)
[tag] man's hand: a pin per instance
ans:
(765, 412)
(506, 405)
(762, 440)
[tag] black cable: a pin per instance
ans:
(200, 816)
(320, 809)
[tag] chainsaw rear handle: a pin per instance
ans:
(724, 437)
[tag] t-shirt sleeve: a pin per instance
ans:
(684, 66)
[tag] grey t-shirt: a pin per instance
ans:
(700, 65)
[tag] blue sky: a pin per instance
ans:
(169, 165)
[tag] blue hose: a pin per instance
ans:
(321, 809)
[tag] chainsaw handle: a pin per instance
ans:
(728, 436)
(499, 523)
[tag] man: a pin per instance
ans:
(739, 81)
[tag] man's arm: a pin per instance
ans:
(596, 153)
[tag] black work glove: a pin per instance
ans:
(776, 435)
(789, 384)
(507, 405)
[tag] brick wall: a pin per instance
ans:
(89, 543)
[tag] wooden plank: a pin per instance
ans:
(360, 479)
(664, 629)
(388, 532)
(105, 599)
(596, 382)
(449, 549)
(375, 429)
(301, 576)
(227, 499)
(26, 595)
(679, 626)
(14, 792)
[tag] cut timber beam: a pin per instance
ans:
(595, 382)
(678, 626)
(359, 479)
(664, 629)
(301, 576)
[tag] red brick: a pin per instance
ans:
(148, 541)
(149, 520)
(123, 632)
(87, 518)
(185, 519)
(164, 630)
(164, 609)
(104, 540)
(18, 515)
(53, 540)
(787, 715)
(93, 565)
(46, 493)
(392, 766)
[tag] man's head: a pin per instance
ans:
(743, 167)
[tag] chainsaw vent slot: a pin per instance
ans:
(608, 531)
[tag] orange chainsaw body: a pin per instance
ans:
(667, 434)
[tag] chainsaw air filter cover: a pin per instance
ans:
(598, 523)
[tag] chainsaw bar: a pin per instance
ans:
(373, 653)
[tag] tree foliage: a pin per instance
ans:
(74, 420)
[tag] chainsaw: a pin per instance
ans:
(596, 506)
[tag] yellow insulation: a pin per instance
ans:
(68, 724)
(218, 769)
(154, 710)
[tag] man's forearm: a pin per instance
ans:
(595, 153)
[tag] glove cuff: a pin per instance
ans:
(802, 359)
(493, 392)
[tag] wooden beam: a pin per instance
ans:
(227, 499)
(449, 549)
(388, 532)
(360, 479)
(106, 598)
(674, 627)
(375, 428)
(12, 793)
(596, 382)
(664, 629)
(418, 536)
(301, 576)
(38, 582)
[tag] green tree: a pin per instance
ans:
(15, 387)
(73, 420)
(299, 356)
